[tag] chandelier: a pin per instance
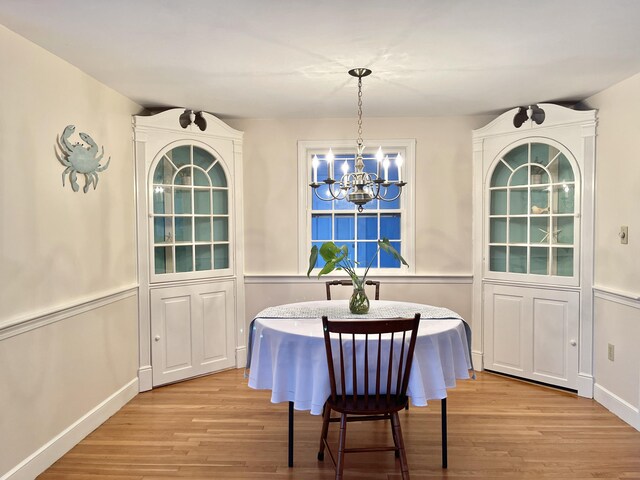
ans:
(359, 187)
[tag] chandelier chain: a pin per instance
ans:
(359, 141)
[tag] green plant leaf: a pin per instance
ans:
(328, 268)
(386, 246)
(329, 251)
(313, 258)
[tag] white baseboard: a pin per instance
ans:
(145, 378)
(45, 456)
(241, 357)
(617, 406)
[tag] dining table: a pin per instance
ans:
(286, 354)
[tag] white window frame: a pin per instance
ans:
(406, 147)
(155, 278)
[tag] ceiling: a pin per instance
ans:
(289, 58)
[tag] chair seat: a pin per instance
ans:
(361, 406)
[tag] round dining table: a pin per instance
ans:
(287, 353)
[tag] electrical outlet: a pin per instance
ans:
(611, 351)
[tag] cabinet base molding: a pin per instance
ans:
(478, 359)
(241, 357)
(145, 378)
(585, 385)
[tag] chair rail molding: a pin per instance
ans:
(34, 320)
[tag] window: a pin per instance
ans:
(190, 221)
(339, 220)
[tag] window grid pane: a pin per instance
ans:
(532, 204)
(190, 212)
(340, 222)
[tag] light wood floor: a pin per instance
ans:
(216, 427)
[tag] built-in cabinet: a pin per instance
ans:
(533, 244)
(189, 193)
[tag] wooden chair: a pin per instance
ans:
(361, 398)
(350, 283)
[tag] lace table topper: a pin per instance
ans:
(340, 309)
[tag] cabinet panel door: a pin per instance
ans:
(172, 336)
(192, 330)
(508, 325)
(217, 326)
(555, 327)
(532, 333)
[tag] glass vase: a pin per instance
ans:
(359, 302)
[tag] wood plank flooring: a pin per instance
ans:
(215, 427)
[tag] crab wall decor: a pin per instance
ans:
(80, 158)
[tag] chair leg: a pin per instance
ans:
(395, 441)
(404, 467)
(341, 446)
(326, 415)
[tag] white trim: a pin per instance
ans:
(617, 296)
(478, 358)
(39, 319)
(145, 378)
(241, 357)
(408, 192)
(617, 406)
(541, 286)
(488, 274)
(229, 172)
(45, 456)
(584, 383)
(257, 279)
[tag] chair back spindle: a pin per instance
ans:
(389, 368)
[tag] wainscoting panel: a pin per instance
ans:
(64, 373)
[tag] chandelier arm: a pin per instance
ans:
(385, 199)
(376, 192)
(339, 195)
(342, 192)
(324, 199)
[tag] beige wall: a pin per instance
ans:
(617, 186)
(443, 194)
(442, 187)
(57, 245)
(617, 267)
(60, 249)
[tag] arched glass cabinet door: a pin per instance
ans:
(190, 212)
(532, 213)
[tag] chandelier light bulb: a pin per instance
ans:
(314, 163)
(330, 156)
(385, 164)
(399, 162)
(345, 168)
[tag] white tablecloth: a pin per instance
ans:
(288, 357)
